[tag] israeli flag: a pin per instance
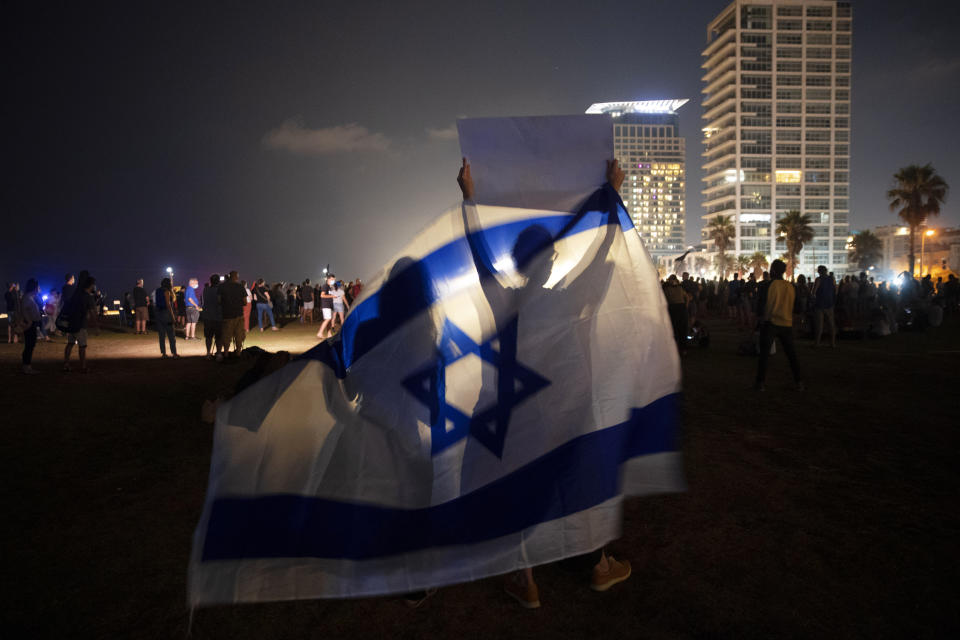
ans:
(495, 393)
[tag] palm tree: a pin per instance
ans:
(796, 231)
(866, 249)
(724, 264)
(743, 263)
(758, 262)
(918, 193)
(721, 231)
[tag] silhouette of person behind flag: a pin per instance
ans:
(535, 313)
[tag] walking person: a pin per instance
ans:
(232, 305)
(30, 322)
(326, 307)
(165, 309)
(340, 304)
(776, 322)
(193, 309)
(212, 317)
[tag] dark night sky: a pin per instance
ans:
(277, 139)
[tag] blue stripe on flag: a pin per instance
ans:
(412, 290)
(575, 476)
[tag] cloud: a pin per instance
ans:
(447, 133)
(292, 136)
(940, 67)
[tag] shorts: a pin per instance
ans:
(308, 306)
(79, 337)
(232, 330)
(141, 314)
(327, 313)
(193, 314)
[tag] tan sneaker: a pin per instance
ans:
(526, 593)
(616, 572)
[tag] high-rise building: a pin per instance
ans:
(777, 124)
(648, 145)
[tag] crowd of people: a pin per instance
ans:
(227, 306)
(820, 308)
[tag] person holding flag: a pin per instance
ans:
(505, 382)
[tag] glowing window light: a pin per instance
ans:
(788, 176)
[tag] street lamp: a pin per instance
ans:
(923, 238)
(170, 274)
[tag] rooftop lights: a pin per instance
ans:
(639, 106)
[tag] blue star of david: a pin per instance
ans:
(515, 383)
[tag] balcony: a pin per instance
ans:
(721, 147)
(725, 39)
(726, 92)
(723, 120)
(730, 193)
(713, 113)
(725, 65)
(729, 77)
(712, 165)
(719, 172)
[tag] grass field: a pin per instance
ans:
(827, 513)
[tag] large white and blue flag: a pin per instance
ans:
(498, 389)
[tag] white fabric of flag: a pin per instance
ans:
(494, 394)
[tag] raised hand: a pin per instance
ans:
(465, 180)
(615, 174)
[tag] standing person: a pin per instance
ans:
(802, 300)
(50, 310)
(733, 297)
(140, 303)
(232, 304)
(68, 289)
(677, 301)
(693, 291)
(776, 321)
(261, 298)
(306, 296)
(212, 317)
(292, 310)
(326, 306)
(247, 306)
(193, 309)
(340, 304)
(357, 288)
(76, 311)
(30, 321)
(165, 317)
(12, 297)
(824, 301)
(279, 302)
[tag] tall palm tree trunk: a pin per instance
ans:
(913, 256)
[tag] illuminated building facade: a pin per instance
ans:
(777, 124)
(648, 145)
